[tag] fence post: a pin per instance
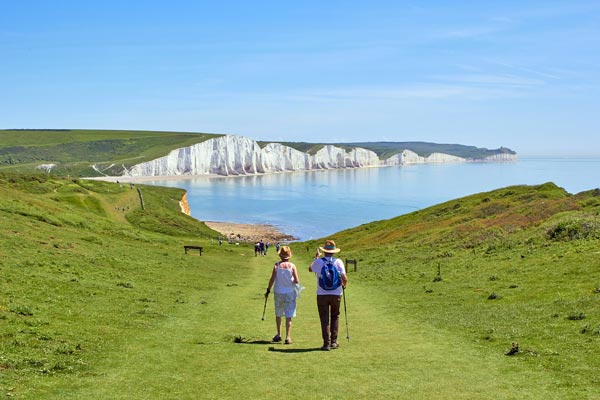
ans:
(348, 262)
(141, 197)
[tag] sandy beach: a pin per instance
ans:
(229, 230)
(249, 232)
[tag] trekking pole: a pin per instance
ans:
(265, 307)
(346, 313)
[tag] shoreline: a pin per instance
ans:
(237, 232)
(231, 231)
(141, 179)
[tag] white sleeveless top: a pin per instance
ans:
(284, 282)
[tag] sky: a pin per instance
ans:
(519, 74)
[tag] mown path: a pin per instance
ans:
(192, 353)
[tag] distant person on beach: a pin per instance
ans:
(266, 248)
(277, 247)
(329, 291)
(256, 249)
(261, 247)
(285, 278)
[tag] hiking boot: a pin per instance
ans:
(334, 345)
(325, 347)
(276, 338)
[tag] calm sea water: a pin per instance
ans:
(316, 204)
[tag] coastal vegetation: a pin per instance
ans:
(491, 295)
(73, 151)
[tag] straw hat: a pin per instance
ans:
(285, 252)
(329, 247)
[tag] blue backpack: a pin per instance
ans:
(330, 277)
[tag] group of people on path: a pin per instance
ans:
(261, 248)
(331, 282)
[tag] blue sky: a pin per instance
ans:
(519, 74)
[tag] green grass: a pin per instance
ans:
(73, 151)
(98, 300)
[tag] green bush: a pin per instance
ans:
(575, 229)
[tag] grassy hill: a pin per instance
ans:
(74, 151)
(98, 300)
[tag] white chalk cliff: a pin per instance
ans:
(410, 157)
(238, 155)
(501, 157)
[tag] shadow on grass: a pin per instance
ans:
(275, 349)
(291, 351)
(257, 342)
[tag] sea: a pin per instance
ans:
(316, 204)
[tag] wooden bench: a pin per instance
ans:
(199, 248)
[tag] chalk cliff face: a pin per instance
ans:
(501, 157)
(237, 155)
(410, 157)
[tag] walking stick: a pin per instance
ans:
(265, 307)
(345, 313)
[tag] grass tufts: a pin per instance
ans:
(494, 296)
(576, 316)
(21, 310)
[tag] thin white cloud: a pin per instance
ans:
(494, 80)
(424, 91)
(529, 70)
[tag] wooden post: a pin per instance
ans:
(348, 262)
(141, 197)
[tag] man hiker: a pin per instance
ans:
(331, 281)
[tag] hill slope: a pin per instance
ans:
(98, 300)
(74, 151)
(515, 265)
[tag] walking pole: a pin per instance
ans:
(345, 313)
(265, 308)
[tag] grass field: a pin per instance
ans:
(74, 151)
(98, 300)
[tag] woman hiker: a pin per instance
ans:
(330, 286)
(285, 277)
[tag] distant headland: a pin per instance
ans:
(139, 154)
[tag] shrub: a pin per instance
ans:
(575, 229)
